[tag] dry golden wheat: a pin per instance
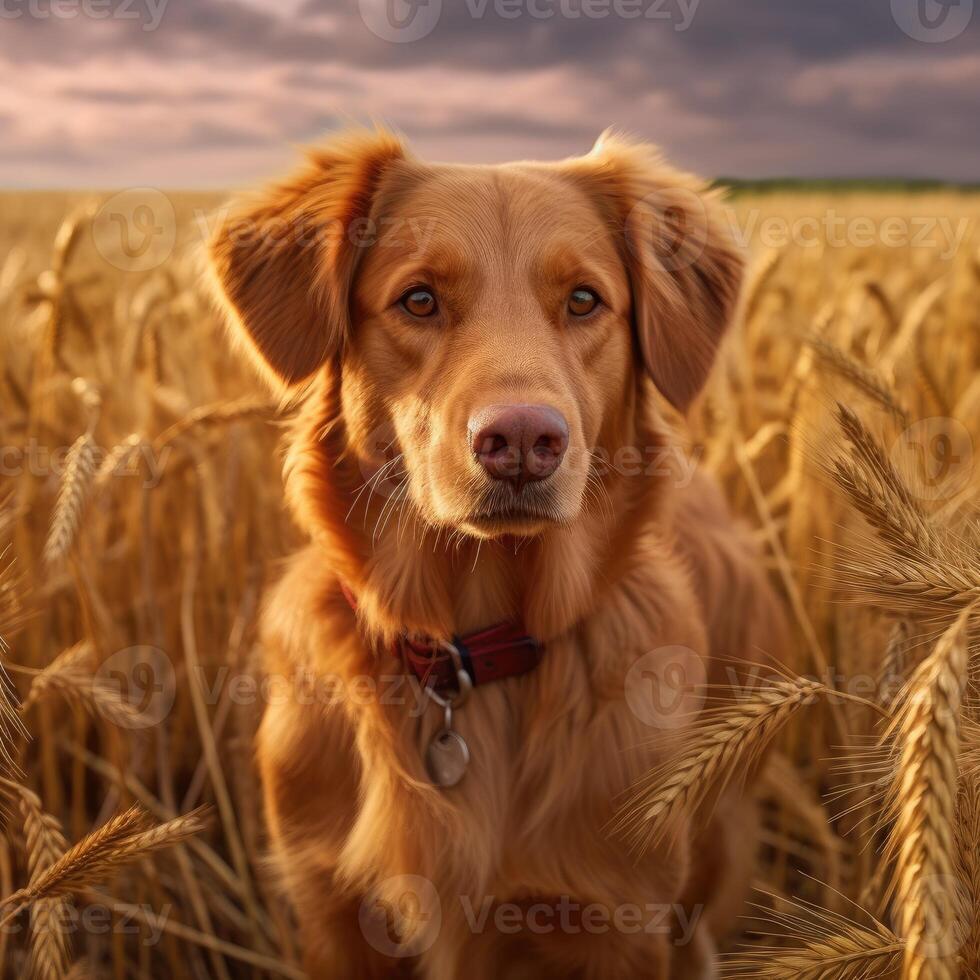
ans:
(721, 745)
(820, 945)
(72, 497)
(122, 839)
(175, 561)
(922, 804)
(71, 675)
(968, 866)
(45, 843)
(118, 459)
(863, 378)
(928, 573)
(759, 276)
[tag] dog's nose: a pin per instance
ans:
(519, 443)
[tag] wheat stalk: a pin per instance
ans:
(12, 730)
(863, 378)
(926, 375)
(45, 843)
(70, 675)
(220, 413)
(897, 651)
(724, 743)
(119, 841)
(912, 321)
(922, 804)
(968, 864)
(878, 294)
(833, 947)
(758, 281)
(72, 497)
(875, 487)
(54, 290)
(118, 458)
(11, 594)
(927, 572)
(72, 660)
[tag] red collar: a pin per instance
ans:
(491, 654)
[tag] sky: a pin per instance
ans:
(219, 93)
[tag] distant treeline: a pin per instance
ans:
(864, 184)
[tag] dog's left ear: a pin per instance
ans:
(684, 270)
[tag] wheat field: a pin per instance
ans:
(141, 518)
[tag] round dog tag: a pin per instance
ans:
(446, 758)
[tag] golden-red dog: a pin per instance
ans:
(503, 330)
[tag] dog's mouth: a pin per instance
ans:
(505, 511)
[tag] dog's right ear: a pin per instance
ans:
(283, 259)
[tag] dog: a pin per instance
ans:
(483, 361)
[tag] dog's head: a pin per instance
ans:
(493, 322)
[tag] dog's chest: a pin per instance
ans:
(557, 747)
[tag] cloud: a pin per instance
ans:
(219, 91)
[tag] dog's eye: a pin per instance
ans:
(419, 302)
(582, 301)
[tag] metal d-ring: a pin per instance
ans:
(463, 682)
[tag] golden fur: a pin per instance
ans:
(608, 566)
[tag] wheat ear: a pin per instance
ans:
(70, 675)
(876, 488)
(121, 840)
(861, 377)
(828, 946)
(968, 863)
(12, 730)
(922, 803)
(118, 459)
(928, 572)
(725, 742)
(45, 843)
(75, 658)
(72, 497)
